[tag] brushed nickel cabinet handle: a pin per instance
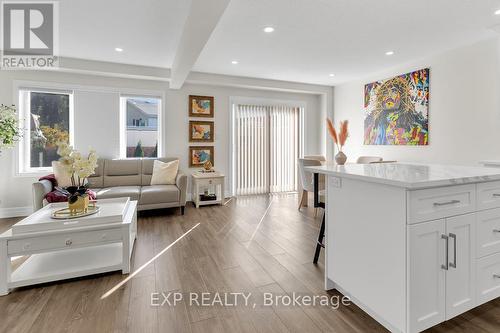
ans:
(496, 195)
(496, 230)
(454, 263)
(451, 202)
(496, 276)
(445, 266)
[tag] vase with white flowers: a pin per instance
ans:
(10, 132)
(79, 168)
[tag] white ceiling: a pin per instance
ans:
(147, 30)
(312, 38)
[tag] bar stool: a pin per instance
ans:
(319, 202)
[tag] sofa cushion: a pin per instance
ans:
(155, 194)
(97, 179)
(122, 172)
(147, 168)
(133, 192)
(61, 174)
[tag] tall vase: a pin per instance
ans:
(340, 158)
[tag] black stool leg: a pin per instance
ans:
(320, 244)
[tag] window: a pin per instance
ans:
(140, 131)
(47, 117)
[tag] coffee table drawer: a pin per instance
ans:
(437, 203)
(61, 241)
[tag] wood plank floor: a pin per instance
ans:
(253, 244)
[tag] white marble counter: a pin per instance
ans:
(411, 176)
(490, 163)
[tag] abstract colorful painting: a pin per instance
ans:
(201, 106)
(199, 155)
(201, 131)
(397, 110)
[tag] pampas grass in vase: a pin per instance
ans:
(339, 139)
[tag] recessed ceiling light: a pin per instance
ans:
(118, 49)
(389, 53)
(268, 29)
(497, 12)
(331, 75)
(234, 62)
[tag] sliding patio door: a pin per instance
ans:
(267, 144)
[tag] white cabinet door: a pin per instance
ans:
(460, 277)
(426, 274)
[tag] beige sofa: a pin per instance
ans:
(127, 178)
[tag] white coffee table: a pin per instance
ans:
(64, 249)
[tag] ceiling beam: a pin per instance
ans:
(202, 19)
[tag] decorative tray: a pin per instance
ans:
(65, 213)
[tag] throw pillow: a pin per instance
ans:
(62, 175)
(164, 173)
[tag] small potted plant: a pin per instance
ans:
(339, 139)
(79, 168)
(10, 132)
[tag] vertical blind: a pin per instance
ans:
(267, 140)
(284, 135)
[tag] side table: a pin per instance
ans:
(205, 184)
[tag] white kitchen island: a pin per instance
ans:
(413, 245)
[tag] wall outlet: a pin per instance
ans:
(336, 182)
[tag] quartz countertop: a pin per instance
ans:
(491, 163)
(410, 176)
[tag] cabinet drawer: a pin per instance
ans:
(488, 278)
(488, 195)
(488, 232)
(207, 182)
(56, 242)
(436, 203)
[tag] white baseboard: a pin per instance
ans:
(15, 211)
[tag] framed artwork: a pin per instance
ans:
(201, 106)
(198, 155)
(201, 131)
(397, 110)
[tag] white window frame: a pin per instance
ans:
(74, 88)
(123, 123)
(24, 147)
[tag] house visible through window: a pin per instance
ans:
(141, 130)
(47, 119)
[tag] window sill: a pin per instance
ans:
(33, 173)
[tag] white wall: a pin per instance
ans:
(177, 124)
(464, 110)
(97, 122)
